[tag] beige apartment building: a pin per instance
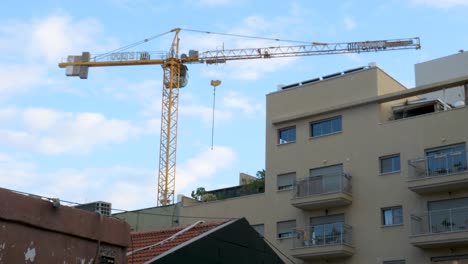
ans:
(360, 169)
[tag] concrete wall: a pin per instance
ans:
(442, 69)
(32, 230)
(151, 218)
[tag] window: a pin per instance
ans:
(260, 228)
(286, 181)
(446, 160)
(286, 228)
(390, 164)
(325, 127)
(392, 216)
(287, 135)
(401, 261)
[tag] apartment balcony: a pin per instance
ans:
(323, 191)
(322, 242)
(437, 173)
(440, 228)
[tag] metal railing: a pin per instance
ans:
(438, 165)
(328, 183)
(440, 221)
(322, 235)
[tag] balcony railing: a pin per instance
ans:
(322, 235)
(438, 165)
(329, 183)
(440, 221)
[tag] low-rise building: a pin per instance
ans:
(40, 230)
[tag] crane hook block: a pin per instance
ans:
(78, 70)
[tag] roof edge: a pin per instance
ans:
(423, 89)
(191, 240)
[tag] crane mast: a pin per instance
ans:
(175, 77)
(169, 117)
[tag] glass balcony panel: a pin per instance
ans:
(440, 221)
(322, 184)
(439, 164)
(323, 234)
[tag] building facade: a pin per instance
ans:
(371, 185)
(360, 169)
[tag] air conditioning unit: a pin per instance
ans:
(101, 207)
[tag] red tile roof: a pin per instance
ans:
(140, 240)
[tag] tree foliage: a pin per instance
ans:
(198, 193)
(256, 186)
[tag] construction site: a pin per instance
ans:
(359, 167)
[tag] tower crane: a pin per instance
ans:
(175, 77)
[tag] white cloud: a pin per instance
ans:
(14, 173)
(60, 35)
(256, 69)
(53, 37)
(125, 187)
(18, 78)
(236, 101)
(229, 105)
(42, 43)
(8, 114)
(39, 119)
(54, 132)
(152, 126)
(349, 23)
(204, 165)
(205, 113)
(146, 93)
(258, 26)
(442, 3)
(137, 195)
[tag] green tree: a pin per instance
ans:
(257, 186)
(201, 195)
(260, 174)
(198, 193)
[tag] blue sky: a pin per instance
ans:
(98, 139)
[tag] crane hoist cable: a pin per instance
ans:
(214, 83)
